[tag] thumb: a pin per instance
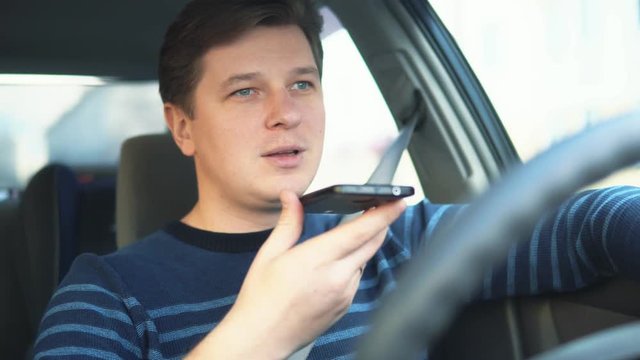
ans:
(289, 227)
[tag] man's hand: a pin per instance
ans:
(292, 294)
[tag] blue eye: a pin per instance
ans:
(244, 92)
(302, 85)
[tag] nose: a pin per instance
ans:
(284, 112)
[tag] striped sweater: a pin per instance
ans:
(159, 297)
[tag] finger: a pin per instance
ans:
(343, 240)
(288, 230)
(357, 260)
(359, 257)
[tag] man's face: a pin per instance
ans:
(258, 124)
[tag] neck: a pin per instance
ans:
(218, 217)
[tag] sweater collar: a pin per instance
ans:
(215, 241)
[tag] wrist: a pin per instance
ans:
(241, 337)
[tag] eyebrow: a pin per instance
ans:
(239, 78)
(233, 79)
(305, 70)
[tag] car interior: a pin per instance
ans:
(459, 149)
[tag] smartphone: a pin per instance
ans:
(348, 199)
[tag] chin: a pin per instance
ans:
(298, 190)
(297, 187)
(270, 190)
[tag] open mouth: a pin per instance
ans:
(284, 152)
(286, 157)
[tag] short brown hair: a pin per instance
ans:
(203, 24)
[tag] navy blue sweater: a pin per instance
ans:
(159, 297)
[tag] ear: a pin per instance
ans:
(179, 123)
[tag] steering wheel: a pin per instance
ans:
(445, 274)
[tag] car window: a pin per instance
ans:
(74, 120)
(81, 121)
(552, 68)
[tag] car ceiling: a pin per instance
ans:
(117, 39)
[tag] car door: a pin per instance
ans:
(552, 69)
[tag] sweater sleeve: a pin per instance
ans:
(592, 236)
(90, 316)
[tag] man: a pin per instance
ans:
(245, 274)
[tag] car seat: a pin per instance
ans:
(156, 184)
(14, 323)
(58, 218)
(46, 242)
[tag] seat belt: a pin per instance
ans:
(386, 169)
(383, 174)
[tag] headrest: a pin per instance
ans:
(156, 184)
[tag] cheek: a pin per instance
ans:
(315, 114)
(213, 141)
(317, 131)
(319, 124)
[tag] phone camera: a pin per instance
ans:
(396, 190)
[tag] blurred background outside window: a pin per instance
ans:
(73, 120)
(552, 68)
